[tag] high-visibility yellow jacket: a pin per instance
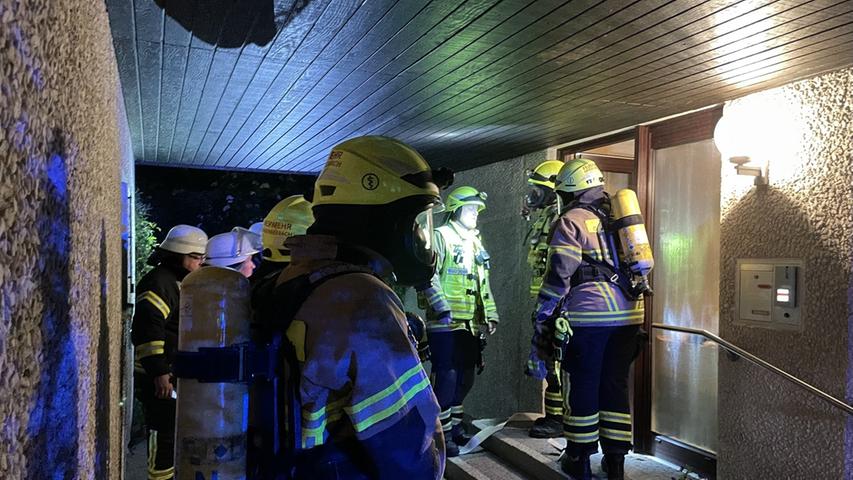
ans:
(537, 244)
(461, 282)
(579, 231)
(359, 372)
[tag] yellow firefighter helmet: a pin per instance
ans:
(289, 217)
(579, 174)
(466, 196)
(373, 170)
(545, 173)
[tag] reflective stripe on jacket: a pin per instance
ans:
(461, 282)
(359, 373)
(592, 303)
(537, 244)
(154, 332)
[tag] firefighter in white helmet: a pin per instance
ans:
(542, 200)
(362, 400)
(155, 336)
(588, 295)
(232, 250)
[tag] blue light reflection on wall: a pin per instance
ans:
(52, 426)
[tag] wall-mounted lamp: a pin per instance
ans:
(741, 167)
(759, 131)
(739, 138)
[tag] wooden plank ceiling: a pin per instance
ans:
(274, 84)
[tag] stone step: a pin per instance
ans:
(538, 458)
(480, 466)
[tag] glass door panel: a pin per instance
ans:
(686, 283)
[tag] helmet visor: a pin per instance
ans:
(423, 228)
(535, 197)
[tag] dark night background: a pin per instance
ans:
(214, 200)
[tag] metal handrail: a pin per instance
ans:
(761, 363)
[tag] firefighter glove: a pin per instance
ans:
(535, 367)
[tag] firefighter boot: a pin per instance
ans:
(460, 438)
(614, 466)
(549, 426)
(577, 468)
(450, 447)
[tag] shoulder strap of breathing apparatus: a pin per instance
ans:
(599, 270)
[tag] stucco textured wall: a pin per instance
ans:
(60, 252)
(769, 429)
(503, 389)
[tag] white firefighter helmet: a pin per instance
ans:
(184, 239)
(228, 249)
(257, 228)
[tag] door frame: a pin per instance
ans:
(689, 128)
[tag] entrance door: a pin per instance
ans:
(681, 170)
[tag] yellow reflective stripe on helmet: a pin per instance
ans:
(157, 347)
(154, 299)
(621, 435)
(582, 421)
(585, 437)
(615, 417)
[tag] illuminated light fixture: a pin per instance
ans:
(736, 139)
(759, 130)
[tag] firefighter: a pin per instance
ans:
(289, 217)
(232, 250)
(363, 403)
(460, 310)
(542, 200)
(155, 336)
(582, 287)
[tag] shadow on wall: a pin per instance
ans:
(53, 420)
(102, 401)
(233, 23)
(768, 222)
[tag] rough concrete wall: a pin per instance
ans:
(503, 389)
(60, 254)
(769, 429)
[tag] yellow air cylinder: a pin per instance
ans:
(212, 417)
(635, 250)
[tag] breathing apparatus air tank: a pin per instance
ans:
(212, 418)
(635, 252)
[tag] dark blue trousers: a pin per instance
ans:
(597, 361)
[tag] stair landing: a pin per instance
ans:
(512, 454)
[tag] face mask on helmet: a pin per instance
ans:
(414, 259)
(538, 197)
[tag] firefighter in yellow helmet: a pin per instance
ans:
(361, 399)
(542, 200)
(460, 310)
(155, 340)
(583, 288)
